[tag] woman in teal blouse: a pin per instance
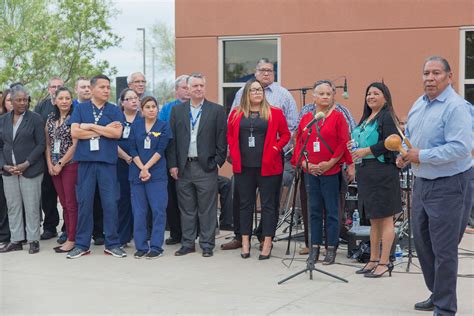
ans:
(377, 177)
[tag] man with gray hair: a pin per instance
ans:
(440, 125)
(172, 210)
(181, 94)
(194, 154)
(137, 82)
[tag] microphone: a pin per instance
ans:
(345, 94)
(318, 117)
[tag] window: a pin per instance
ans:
(238, 57)
(466, 86)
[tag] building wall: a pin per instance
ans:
(365, 40)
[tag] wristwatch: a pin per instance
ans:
(59, 162)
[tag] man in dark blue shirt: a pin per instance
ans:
(97, 126)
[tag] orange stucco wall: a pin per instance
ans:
(365, 40)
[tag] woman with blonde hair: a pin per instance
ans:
(256, 134)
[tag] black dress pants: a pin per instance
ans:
(247, 183)
(224, 187)
(236, 211)
(172, 211)
(4, 227)
(49, 203)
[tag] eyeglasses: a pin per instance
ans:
(256, 90)
(55, 87)
(21, 100)
(131, 99)
(265, 71)
(139, 81)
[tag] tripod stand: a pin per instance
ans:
(310, 264)
(408, 191)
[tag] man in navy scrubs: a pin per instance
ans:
(97, 126)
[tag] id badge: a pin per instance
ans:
(94, 144)
(147, 143)
(193, 137)
(126, 132)
(251, 141)
(316, 147)
(56, 146)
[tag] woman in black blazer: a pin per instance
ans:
(21, 160)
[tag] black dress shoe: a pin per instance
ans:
(62, 238)
(427, 305)
(99, 241)
(207, 253)
(34, 247)
(184, 251)
(172, 241)
(48, 235)
(12, 246)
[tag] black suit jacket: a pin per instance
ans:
(211, 137)
(29, 143)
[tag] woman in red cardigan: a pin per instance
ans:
(325, 151)
(256, 134)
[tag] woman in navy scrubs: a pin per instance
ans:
(129, 104)
(148, 179)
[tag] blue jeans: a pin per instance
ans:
(323, 194)
(155, 195)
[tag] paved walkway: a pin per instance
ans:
(47, 283)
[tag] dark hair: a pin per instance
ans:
(122, 96)
(3, 107)
(95, 78)
(442, 60)
(146, 99)
(387, 106)
(124, 92)
(56, 113)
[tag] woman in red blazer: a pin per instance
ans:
(256, 134)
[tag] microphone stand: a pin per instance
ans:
(310, 265)
(303, 92)
(410, 248)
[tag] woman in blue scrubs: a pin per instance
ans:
(148, 179)
(129, 104)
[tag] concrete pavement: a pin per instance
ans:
(47, 283)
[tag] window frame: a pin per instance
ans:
(220, 61)
(462, 60)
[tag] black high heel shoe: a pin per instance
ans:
(364, 270)
(245, 255)
(265, 257)
(373, 275)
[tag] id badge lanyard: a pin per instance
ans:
(94, 141)
(251, 137)
(147, 141)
